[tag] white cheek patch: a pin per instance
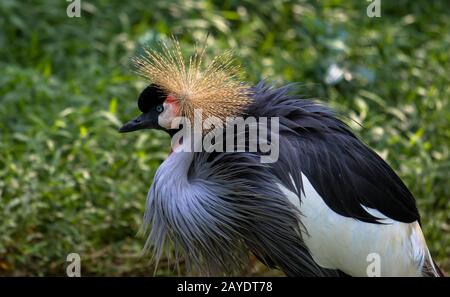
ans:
(166, 117)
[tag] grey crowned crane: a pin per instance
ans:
(326, 207)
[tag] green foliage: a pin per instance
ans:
(70, 183)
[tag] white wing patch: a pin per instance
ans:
(381, 218)
(338, 242)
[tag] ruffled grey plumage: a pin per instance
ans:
(217, 211)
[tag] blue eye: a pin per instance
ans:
(159, 108)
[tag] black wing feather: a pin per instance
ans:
(344, 171)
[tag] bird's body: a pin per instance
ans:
(194, 198)
(328, 206)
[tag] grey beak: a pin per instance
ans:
(133, 125)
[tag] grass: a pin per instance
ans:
(70, 183)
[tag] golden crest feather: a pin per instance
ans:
(212, 87)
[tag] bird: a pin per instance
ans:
(327, 206)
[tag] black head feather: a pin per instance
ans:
(150, 96)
